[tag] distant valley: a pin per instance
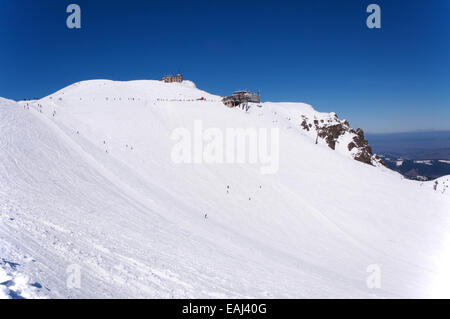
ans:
(416, 155)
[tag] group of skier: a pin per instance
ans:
(228, 192)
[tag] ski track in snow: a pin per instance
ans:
(73, 192)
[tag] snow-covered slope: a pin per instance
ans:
(87, 182)
(440, 184)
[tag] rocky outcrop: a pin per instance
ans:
(330, 133)
(335, 132)
(364, 153)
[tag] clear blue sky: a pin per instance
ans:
(396, 78)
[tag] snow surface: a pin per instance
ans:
(86, 178)
(440, 184)
(14, 285)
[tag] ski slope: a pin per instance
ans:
(87, 179)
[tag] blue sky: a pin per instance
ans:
(392, 79)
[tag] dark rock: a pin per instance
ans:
(330, 133)
(351, 146)
(305, 125)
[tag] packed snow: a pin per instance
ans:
(14, 285)
(92, 205)
(440, 184)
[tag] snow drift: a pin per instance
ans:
(87, 179)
